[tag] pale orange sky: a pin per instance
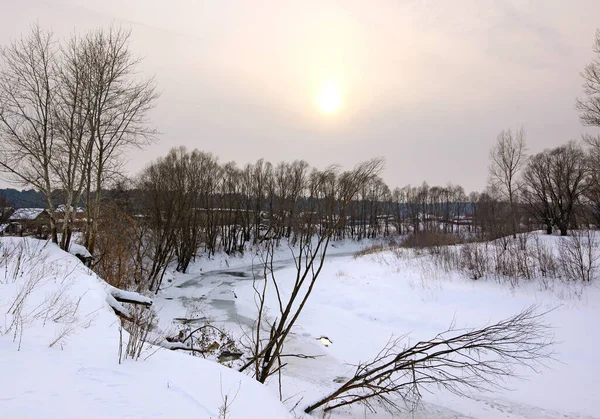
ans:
(427, 84)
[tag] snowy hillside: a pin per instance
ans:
(59, 344)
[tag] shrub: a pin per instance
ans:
(473, 259)
(578, 259)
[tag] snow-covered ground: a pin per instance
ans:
(59, 344)
(59, 348)
(360, 302)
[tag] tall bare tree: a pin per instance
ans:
(589, 112)
(589, 107)
(166, 203)
(329, 193)
(555, 180)
(507, 159)
(118, 118)
(72, 141)
(5, 210)
(593, 181)
(28, 94)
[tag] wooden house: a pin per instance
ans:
(77, 214)
(28, 221)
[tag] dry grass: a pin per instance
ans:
(429, 239)
(377, 248)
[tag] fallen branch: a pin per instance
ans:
(178, 346)
(456, 360)
(118, 308)
(116, 296)
(199, 329)
(302, 356)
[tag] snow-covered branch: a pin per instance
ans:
(117, 296)
(129, 297)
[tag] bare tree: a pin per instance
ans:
(328, 194)
(28, 79)
(231, 200)
(490, 216)
(589, 112)
(5, 210)
(555, 180)
(592, 193)
(118, 118)
(456, 360)
(507, 158)
(72, 141)
(537, 190)
(166, 202)
(589, 107)
(66, 115)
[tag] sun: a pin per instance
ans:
(329, 97)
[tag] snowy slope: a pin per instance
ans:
(79, 375)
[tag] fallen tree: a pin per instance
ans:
(116, 296)
(457, 360)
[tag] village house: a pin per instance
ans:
(77, 214)
(28, 221)
(36, 221)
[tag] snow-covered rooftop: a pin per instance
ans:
(62, 208)
(26, 214)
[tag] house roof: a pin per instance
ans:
(63, 207)
(26, 214)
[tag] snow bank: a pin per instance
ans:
(59, 352)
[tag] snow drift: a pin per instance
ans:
(59, 342)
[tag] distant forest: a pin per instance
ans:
(29, 198)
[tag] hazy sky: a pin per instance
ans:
(427, 84)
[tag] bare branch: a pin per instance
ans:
(456, 360)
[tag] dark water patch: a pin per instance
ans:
(221, 303)
(237, 274)
(192, 299)
(188, 283)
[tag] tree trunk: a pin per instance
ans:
(513, 216)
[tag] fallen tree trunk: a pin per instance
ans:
(129, 297)
(118, 308)
(177, 346)
(116, 296)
